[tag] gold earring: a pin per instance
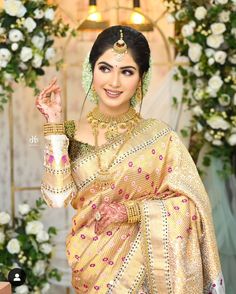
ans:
(94, 95)
(139, 94)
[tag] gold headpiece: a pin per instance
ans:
(120, 47)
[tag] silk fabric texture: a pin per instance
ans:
(173, 248)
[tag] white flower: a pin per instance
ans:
(209, 52)
(200, 13)
(30, 24)
(45, 288)
(50, 53)
(211, 61)
(198, 94)
(220, 56)
(14, 46)
(215, 41)
(221, 1)
(208, 137)
(39, 40)
(197, 71)
(194, 51)
(13, 246)
(187, 30)
(23, 289)
(8, 76)
(26, 54)
(34, 227)
(2, 237)
(5, 57)
(192, 23)
(217, 142)
(14, 8)
(199, 127)
(46, 248)
(39, 268)
(217, 122)
(15, 35)
(232, 58)
(211, 92)
(37, 61)
(49, 14)
(23, 208)
(218, 28)
(4, 218)
(233, 32)
(215, 83)
(234, 99)
(197, 110)
(224, 16)
(2, 31)
(42, 236)
(38, 13)
(232, 140)
(23, 66)
(224, 100)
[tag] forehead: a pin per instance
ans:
(109, 56)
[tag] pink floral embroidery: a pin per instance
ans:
(82, 269)
(85, 286)
(111, 262)
(153, 151)
(147, 177)
(169, 169)
(109, 233)
(123, 258)
(74, 222)
(160, 157)
(81, 199)
(72, 232)
(130, 164)
(105, 259)
(107, 199)
(126, 196)
(77, 257)
(139, 170)
(95, 238)
(113, 186)
(152, 184)
(168, 214)
(185, 200)
(189, 230)
(96, 287)
(82, 236)
(194, 217)
(126, 178)
(92, 265)
(120, 191)
(50, 159)
(176, 207)
(94, 206)
(179, 237)
(64, 159)
(123, 237)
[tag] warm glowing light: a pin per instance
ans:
(94, 15)
(1, 4)
(137, 18)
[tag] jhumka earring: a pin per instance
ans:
(120, 47)
(94, 96)
(138, 96)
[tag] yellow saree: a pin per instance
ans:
(173, 249)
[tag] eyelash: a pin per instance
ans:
(126, 72)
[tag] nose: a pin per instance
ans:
(115, 80)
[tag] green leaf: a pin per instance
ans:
(184, 132)
(52, 231)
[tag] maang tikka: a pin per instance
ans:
(120, 47)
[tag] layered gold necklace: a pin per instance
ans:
(126, 122)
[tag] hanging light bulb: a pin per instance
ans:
(136, 17)
(94, 15)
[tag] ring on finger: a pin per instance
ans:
(48, 95)
(98, 216)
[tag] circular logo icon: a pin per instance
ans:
(16, 277)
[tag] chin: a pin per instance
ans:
(113, 103)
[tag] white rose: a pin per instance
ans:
(211, 61)
(2, 237)
(14, 8)
(224, 16)
(34, 227)
(224, 100)
(23, 289)
(211, 92)
(187, 30)
(194, 52)
(218, 28)
(13, 246)
(14, 46)
(217, 122)
(197, 110)
(2, 31)
(5, 57)
(37, 61)
(217, 142)
(42, 236)
(15, 35)
(39, 268)
(30, 24)
(197, 71)
(23, 208)
(200, 13)
(4, 218)
(39, 40)
(50, 53)
(232, 58)
(234, 99)
(215, 83)
(233, 32)
(215, 41)
(209, 52)
(38, 13)
(198, 94)
(26, 54)
(220, 56)
(232, 140)
(192, 23)
(208, 137)
(45, 288)
(221, 1)
(49, 14)
(46, 248)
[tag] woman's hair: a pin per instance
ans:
(136, 43)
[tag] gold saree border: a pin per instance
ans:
(154, 228)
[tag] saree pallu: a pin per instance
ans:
(173, 248)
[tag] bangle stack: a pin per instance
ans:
(53, 129)
(133, 211)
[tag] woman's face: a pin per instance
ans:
(115, 81)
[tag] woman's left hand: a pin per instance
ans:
(110, 213)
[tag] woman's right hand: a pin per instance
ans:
(50, 106)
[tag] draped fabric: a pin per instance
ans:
(173, 248)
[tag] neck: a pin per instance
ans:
(116, 111)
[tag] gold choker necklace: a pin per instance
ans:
(126, 120)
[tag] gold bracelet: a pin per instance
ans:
(53, 129)
(133, 211)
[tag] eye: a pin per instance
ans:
(127, 72)
(104, 68)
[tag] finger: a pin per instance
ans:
(102, 224)
(49, 87)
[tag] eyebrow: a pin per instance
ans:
(123, 67)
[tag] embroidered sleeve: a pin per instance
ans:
(57, 186)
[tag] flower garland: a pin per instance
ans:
(27, 29)
(28, 246)
(206, 35)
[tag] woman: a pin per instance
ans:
(143, 221)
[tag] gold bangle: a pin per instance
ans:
(53, 129)
(133, 211)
